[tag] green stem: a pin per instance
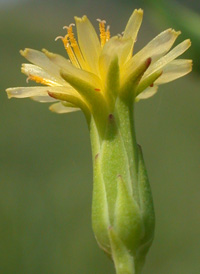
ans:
(120, 195)
(126, 268)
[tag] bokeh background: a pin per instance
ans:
(45, 159)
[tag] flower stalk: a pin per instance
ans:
(122, 208)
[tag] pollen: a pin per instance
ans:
(71, 35)
(69, 50)
(104, 32)
(75, 46)
(41, 80)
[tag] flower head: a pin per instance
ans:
(99, 70)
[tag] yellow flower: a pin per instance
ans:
(99, 70)
(103, 78)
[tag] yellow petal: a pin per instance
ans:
(159, 46)
(43, 99)
(147, 93)
(40, 59)
(174, 70)
(173, 54)
(65, 65)
(60, 108)
(57, 59)
(33, 70)
(69, 94)
(25, 92)
(88, 42)
(133, 26)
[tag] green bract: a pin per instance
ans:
(122, 210)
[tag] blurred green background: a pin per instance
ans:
(45, 159)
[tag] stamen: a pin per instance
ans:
(69, 50)
(107, 33)
(103, 31)
(41, 80)
(71, 35)
(71, 25)
(59, 37)
(75, 45)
